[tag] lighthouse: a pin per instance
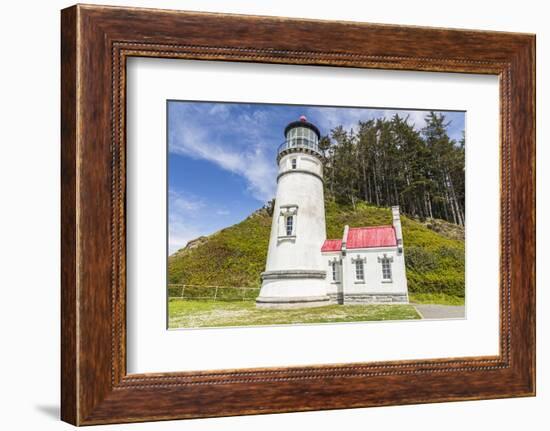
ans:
(295, 273)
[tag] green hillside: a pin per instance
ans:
(235, 256)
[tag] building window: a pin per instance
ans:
(359, 270)
(293, 163)
(334, 266)
(289, 225)
(386, 269)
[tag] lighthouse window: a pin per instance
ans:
(289, 225)
(287, 222)
(359, 270)
(334, 271)
(386, 269)
(293, 163)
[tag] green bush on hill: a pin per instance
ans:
(174, 291)
(420, 260)
(235, 256)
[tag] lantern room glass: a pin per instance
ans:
(301, 137)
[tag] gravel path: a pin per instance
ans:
(435, 311)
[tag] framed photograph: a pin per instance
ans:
(264, 214)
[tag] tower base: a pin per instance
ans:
(293, 302)
(293, 289)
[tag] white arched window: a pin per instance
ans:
(289, 225)
(334, 269)
(386, 269)
(359, 268)
(386, 263)
(287, 222)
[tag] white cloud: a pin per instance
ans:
(349, 118)
(184, 209)
(334, 117)
(223, 136)
(180, 234)
(249, 162)
(184, 203)
(219, 109)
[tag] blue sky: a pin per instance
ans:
(221, 157)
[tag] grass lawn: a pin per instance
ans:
(196, 314)
(435, 298)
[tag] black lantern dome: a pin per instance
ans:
(302, 122)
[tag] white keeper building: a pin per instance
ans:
(304, 268)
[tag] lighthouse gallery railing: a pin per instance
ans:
(299, 143)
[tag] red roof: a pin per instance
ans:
(364, 237)
(332, 245)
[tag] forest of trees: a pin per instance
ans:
(388, 162)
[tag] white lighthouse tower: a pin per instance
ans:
(295, 272)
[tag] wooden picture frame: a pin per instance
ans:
(95, 43)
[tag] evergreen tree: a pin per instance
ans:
(388, 162)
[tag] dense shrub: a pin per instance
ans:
(449, 283)
(451, 257)
(174, 291)
(419, 259)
